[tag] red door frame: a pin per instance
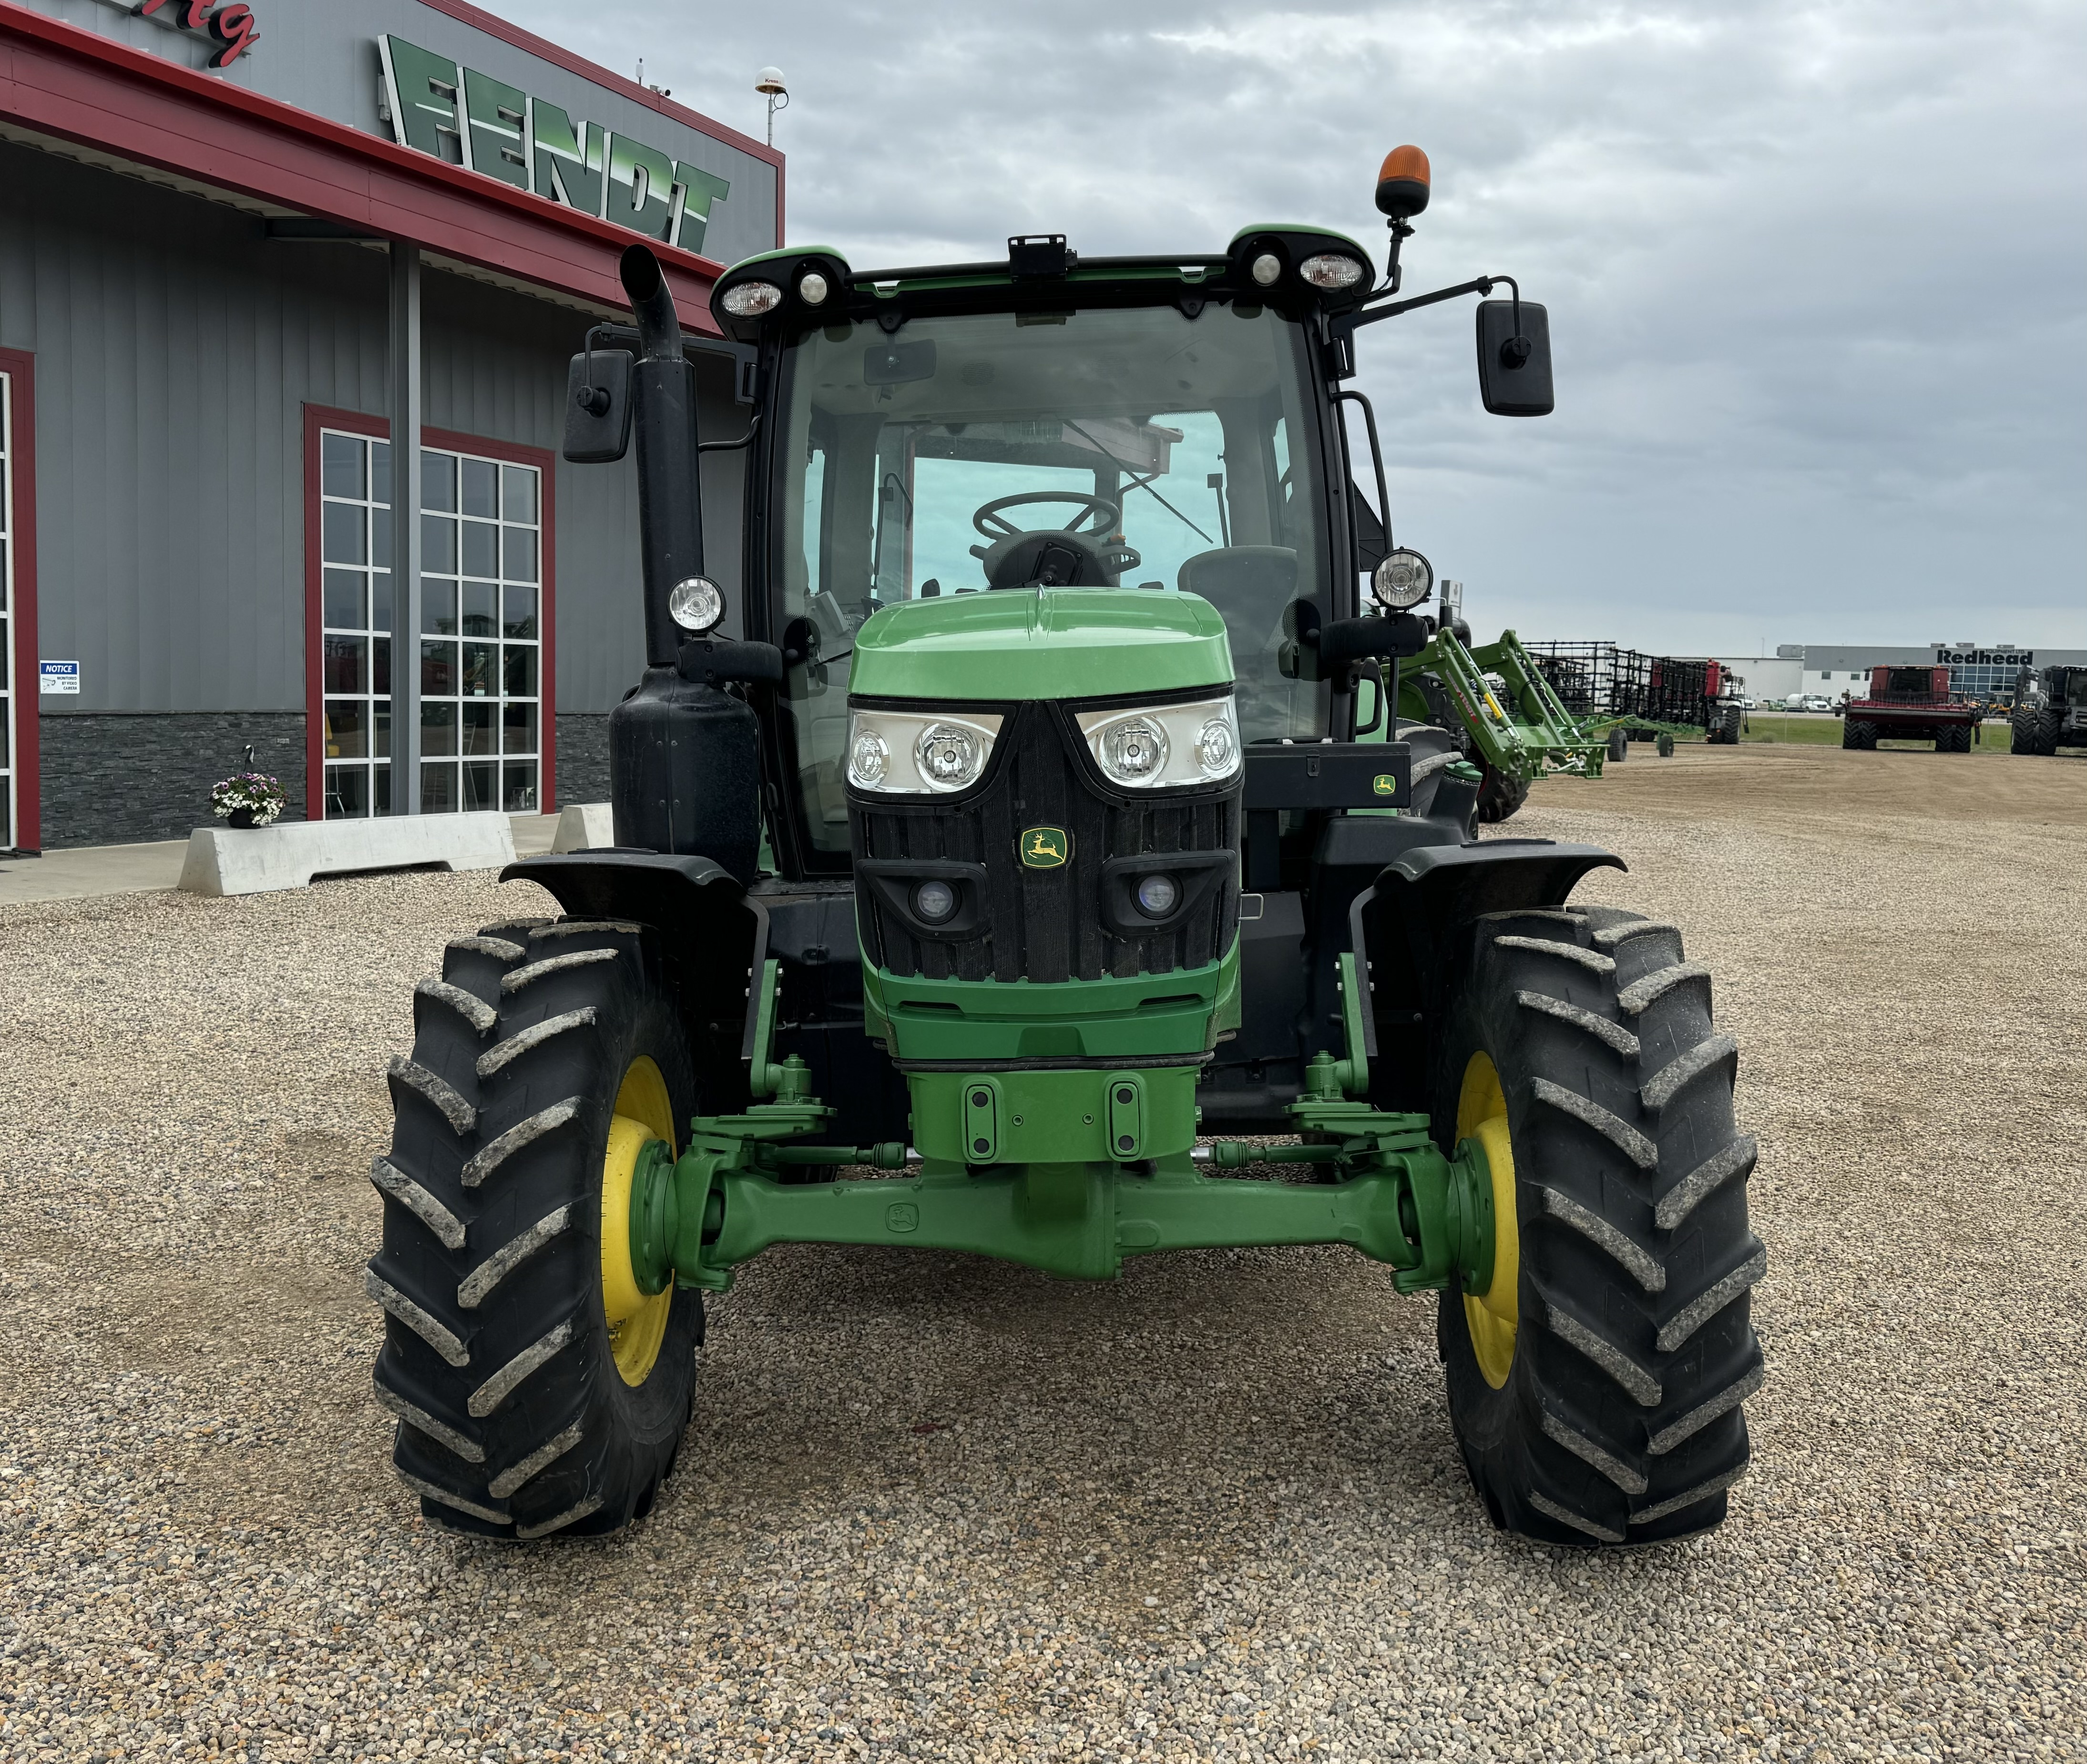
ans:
(27, 699)
(321, 416)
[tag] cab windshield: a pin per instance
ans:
(1132, 447)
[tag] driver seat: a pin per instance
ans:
(1250, 585)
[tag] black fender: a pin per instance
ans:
(714, 933)
(1407, 930)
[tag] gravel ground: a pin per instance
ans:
(932, 1508)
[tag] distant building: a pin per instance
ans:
(1832, 670)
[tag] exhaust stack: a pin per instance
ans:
(670, 508)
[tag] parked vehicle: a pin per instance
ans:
(1911, 704)
(2050, 710)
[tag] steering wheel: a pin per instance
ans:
(1098, 514)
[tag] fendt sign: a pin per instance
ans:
(470, 119)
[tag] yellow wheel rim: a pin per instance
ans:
(1492, 1315)
(637, 1323)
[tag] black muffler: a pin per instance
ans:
(684, 754)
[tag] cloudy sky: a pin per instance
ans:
(1815, 272)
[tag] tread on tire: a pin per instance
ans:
(1620, 1420)
(514, 1420)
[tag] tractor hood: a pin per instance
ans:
(1012, 643)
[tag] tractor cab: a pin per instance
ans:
(941, 433)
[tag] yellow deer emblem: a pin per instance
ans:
(1043, 847)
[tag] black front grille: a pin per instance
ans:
(1045, 924)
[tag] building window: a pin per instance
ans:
(480, 646)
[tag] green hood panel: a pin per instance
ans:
(1008, 644)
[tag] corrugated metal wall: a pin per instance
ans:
(176, 349)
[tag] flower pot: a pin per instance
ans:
(239, 817)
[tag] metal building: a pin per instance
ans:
(242, 246)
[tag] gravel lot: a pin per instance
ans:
(933, 1508)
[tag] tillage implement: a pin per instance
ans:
(1000, 868)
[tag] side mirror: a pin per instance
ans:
(1514, 365)
(597, 408)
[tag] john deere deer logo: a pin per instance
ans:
(1044, 847)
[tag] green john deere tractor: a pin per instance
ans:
(1013, 883)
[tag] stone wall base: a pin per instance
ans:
(126, 780)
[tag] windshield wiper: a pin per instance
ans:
(1144, 483)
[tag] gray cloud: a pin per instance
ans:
(1813, 271)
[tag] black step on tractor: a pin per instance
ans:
(1018, 880)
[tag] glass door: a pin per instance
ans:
(479, 643)
(481, 698)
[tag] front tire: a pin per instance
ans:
(1859, 734)
(533, 1394)
(1499, 795)
(1601, 1404)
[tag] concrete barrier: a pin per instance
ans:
(583, 826)
(252, 860)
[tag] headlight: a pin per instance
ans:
(950, 756)
(897, 751)
(1156, 745)
(934, 901)
(1331, 270)
(870, 757)
(696, 603)
(1268, 269)
(1132, 749)
(750, 300)
(1402, 581)
(811, 289)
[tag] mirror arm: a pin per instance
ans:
(1483, 284)
(752, 429)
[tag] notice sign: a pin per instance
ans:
(57, 676)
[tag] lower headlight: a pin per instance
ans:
(1156, 745)
(933, 902)
(1158, 896)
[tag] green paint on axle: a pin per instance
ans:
(1017, 643)
(1425, 1215)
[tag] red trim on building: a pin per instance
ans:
(58, 79)
(353, 422)
(27, 705)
